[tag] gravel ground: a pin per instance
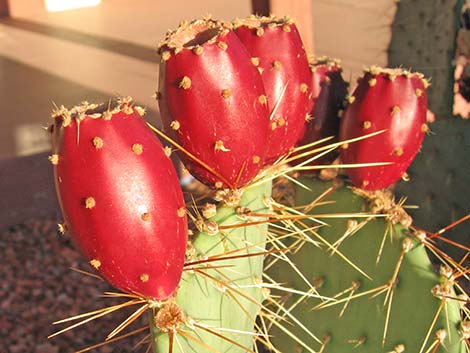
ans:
(38, 287)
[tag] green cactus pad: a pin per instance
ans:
(448, 147)
(359, 325)
(423, 38)
(228, 297)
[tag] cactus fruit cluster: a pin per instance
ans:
(263, 258)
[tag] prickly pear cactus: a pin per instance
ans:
(379, 290)
(447, 147)
(357, 275)
(426, 44)
(219, 300)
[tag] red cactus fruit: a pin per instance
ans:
(329, 91)
(276, 48)
(212, 102)
(385, 99)
(120, 196)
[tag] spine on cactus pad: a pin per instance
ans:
(220, 294)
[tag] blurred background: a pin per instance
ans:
(66, 51)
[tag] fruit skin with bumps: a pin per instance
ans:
(329, 91)
(389, 100)
(212, 102)
(120, 197)
(276, 48)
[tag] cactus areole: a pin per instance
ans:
(213, 103)
(391, 100)
(120, 196)
(276, 49)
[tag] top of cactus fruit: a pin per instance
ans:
(392, 73)
(254, 21)
(95, 111)
(191, 35)
(324, 60)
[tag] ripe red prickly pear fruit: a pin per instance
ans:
(120, 196)
(212, 102)
(276, 47)
(329, 91)
(385, 99)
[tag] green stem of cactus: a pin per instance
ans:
(405, 304)
(221, 299)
